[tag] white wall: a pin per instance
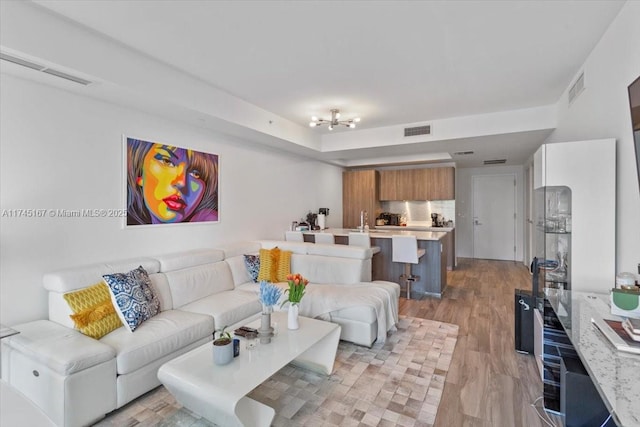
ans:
(464, 207)
(64, 151)
(602, 111)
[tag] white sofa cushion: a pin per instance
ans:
(227, 308)
(241, 248)
(161, 335)
(80, 277)
(190, 284)
(326, 269)
(63, 350)
(342, 251)
(361, 313)
(186, 259)
(295, 247)
(239, 270)
(160, 286)
(63, 281)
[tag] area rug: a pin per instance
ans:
(399, 382)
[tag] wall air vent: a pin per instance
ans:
(462, 153)
(577, 88)
(495, 162)
(419, 130)
(43, 68)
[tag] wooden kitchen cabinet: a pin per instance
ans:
(389, 185)
(442, 184)
(360, 191)
(418, 184)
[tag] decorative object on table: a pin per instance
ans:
(152, 198)
(297, 286)
(222, 347)
(269, 296)
(625, 302)
(236, 347)
(251, 340)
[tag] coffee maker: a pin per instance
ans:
(434, 219)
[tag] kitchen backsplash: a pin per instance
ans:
(420, 211)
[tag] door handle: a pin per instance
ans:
(476, 222)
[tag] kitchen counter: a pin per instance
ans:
(616, 374)
(379, 233)
(413, 228)
(432, 267)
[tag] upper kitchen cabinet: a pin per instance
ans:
(360, 191)
(418, 184)
(442, 184)
(389, 185)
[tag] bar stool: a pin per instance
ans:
(326, 238)
(363, 240)
(405, 249)
(293, 236)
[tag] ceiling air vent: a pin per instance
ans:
(577, 88)
(495, 162)
(420, 130)
(462, 153)
(43, 68)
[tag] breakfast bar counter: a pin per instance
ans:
(432, 268)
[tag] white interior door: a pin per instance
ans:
(494, 217)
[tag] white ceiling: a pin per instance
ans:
(389, 62)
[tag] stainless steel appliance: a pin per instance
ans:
(390, 218)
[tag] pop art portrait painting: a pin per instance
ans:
(167, 184)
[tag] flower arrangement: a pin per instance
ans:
(269, 294)
(297, 286)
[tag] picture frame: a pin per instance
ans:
(167, 184)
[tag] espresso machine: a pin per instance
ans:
(434, 219)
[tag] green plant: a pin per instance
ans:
(297, 286)
(224, 337)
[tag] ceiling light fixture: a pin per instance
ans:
(335, 116)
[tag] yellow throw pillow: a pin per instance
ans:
(275, 265)
(94, 314)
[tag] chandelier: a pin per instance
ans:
(335, 121)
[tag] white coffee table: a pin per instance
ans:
(218, 393)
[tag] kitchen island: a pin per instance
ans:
(432, 268)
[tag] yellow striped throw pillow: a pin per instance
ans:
(275, 265)
(93, 311)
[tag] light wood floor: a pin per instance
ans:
(489, 383)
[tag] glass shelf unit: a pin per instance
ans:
(553, 250)
(553, 236)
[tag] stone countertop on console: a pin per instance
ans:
(384, 234)
(615, 373)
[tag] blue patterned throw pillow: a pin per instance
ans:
(133, 297)
(252, 262)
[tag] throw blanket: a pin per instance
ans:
(321, 299)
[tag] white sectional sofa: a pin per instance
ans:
(76, 379)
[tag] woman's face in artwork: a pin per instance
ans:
(171, 187)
